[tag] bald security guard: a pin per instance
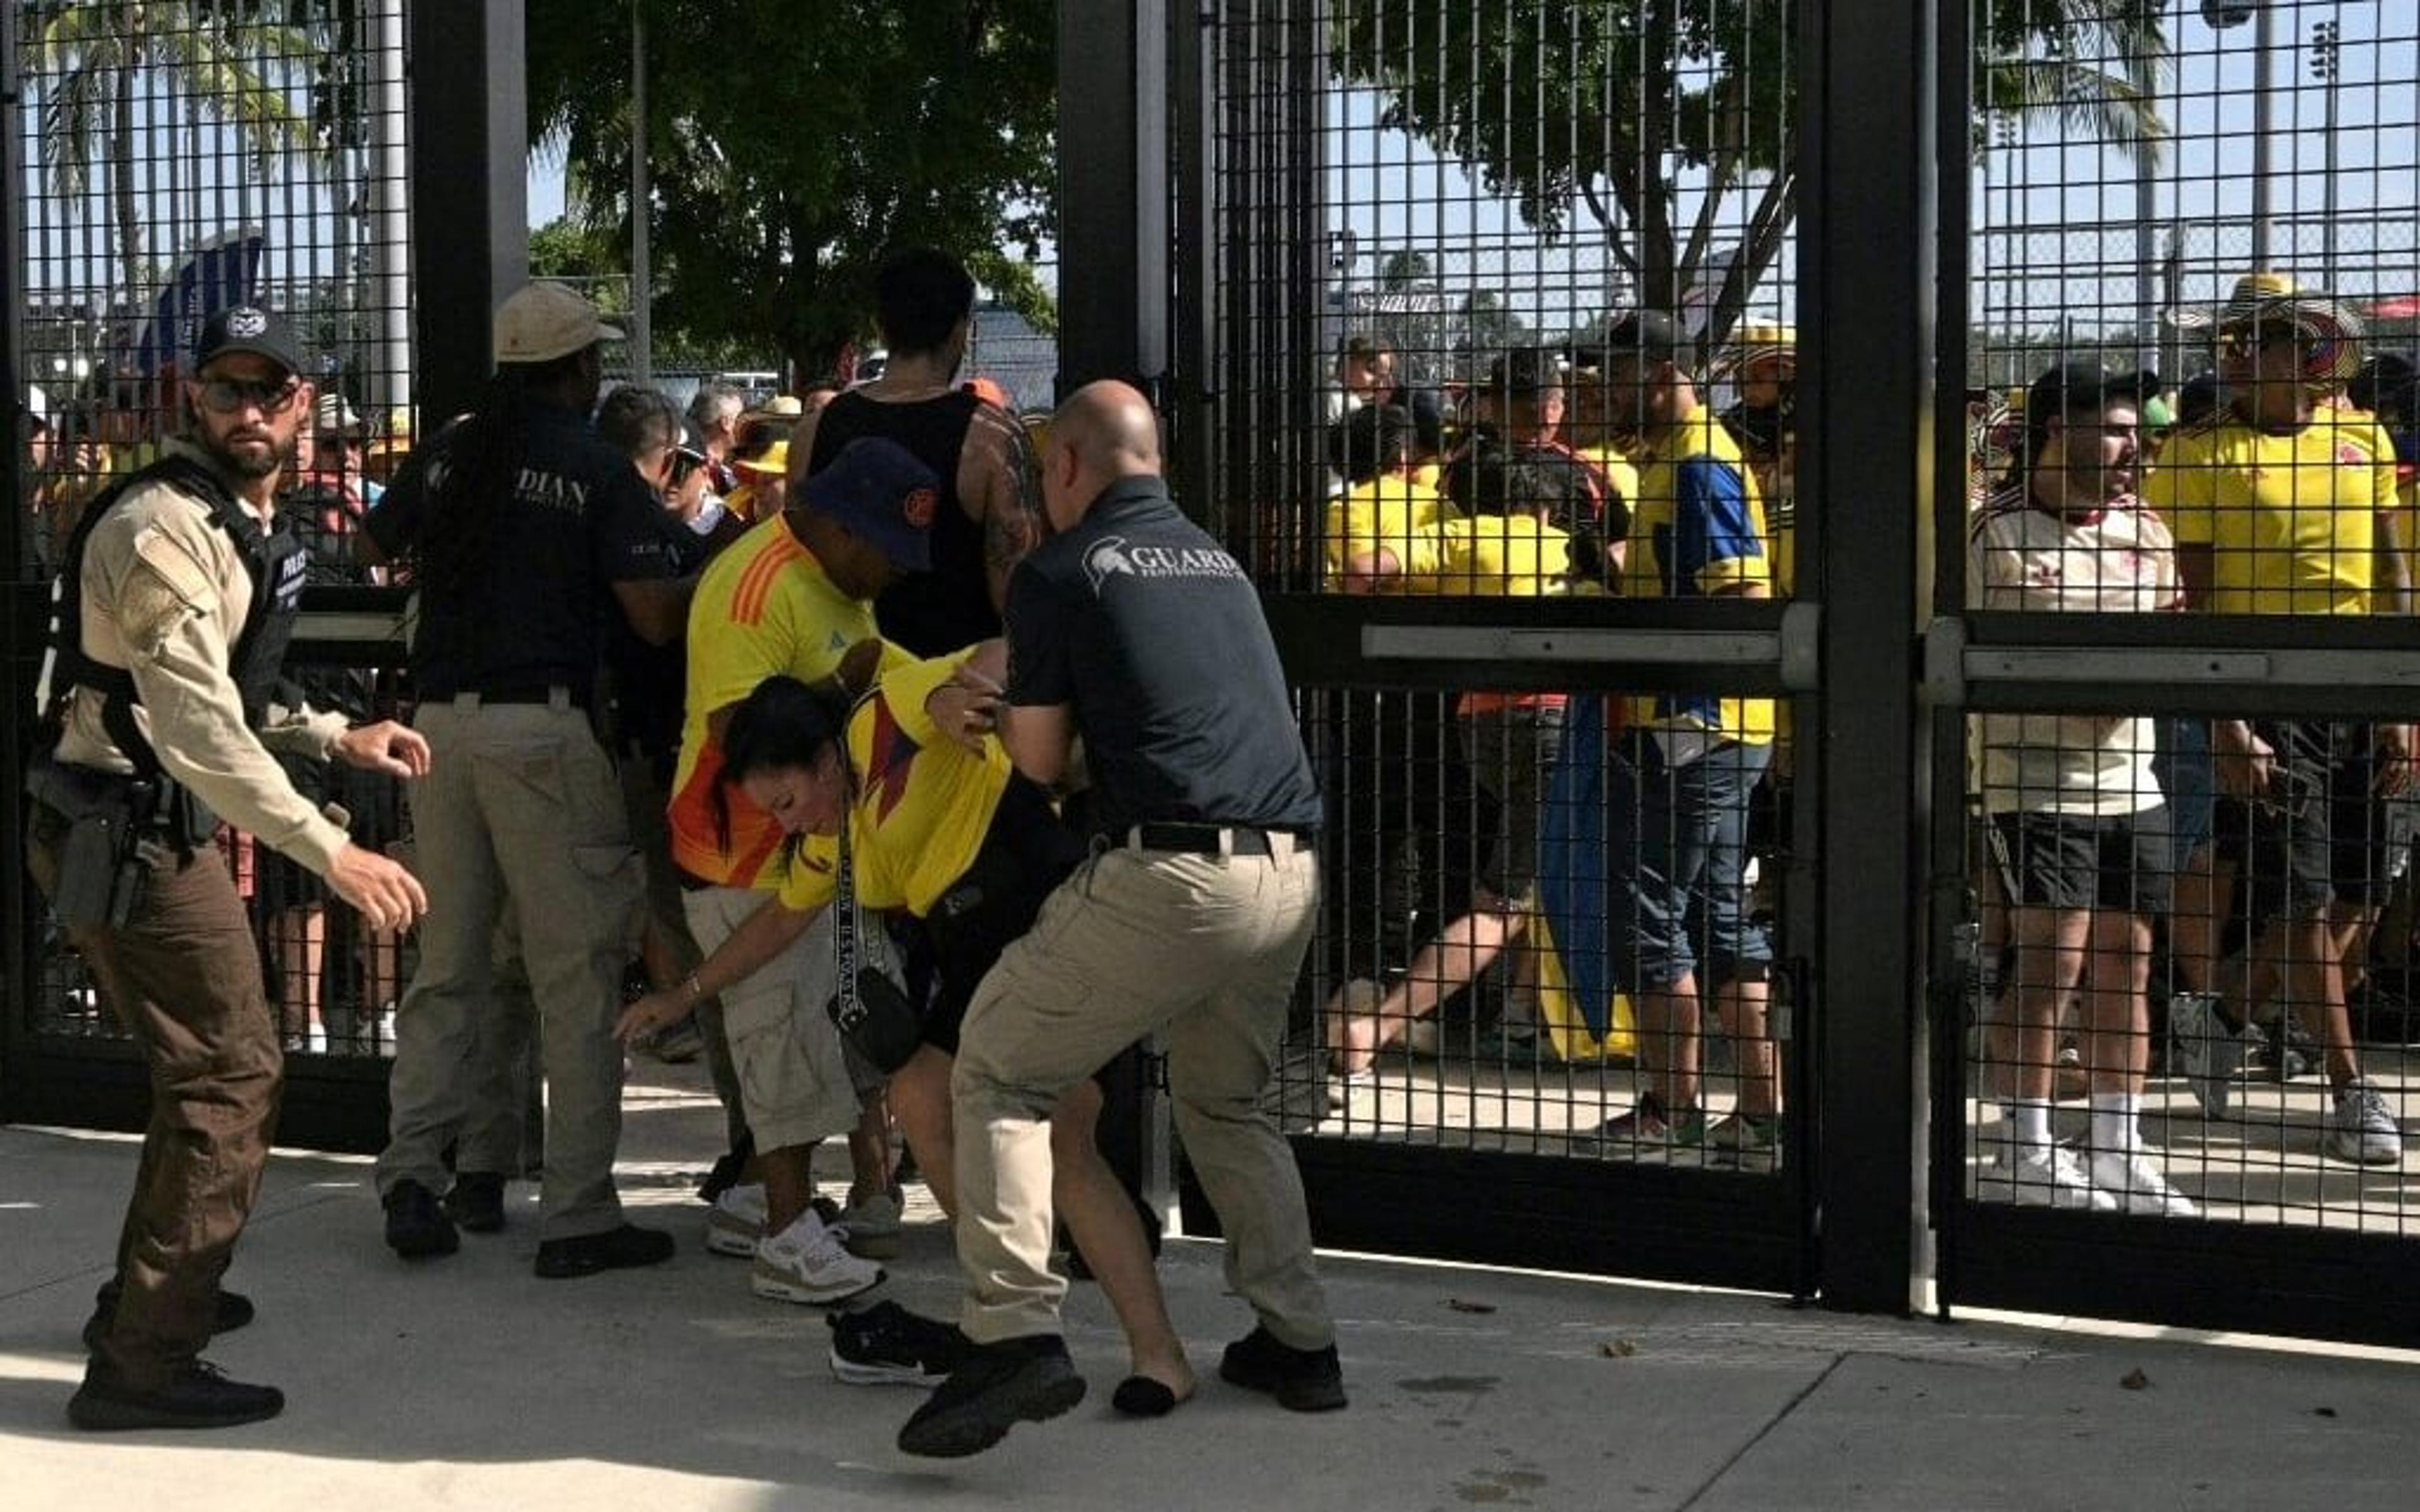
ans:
(1134, 630)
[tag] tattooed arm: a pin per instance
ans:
(1004, 494)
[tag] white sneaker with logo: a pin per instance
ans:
(2134, 1183)
(736, 1224)
(2052, 1177)
(805, 1263)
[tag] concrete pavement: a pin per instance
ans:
(469, 1383)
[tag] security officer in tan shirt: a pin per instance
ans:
(173, 611)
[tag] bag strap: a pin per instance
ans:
(845, 930)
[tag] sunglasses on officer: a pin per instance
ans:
(686, 461)
(229, 396)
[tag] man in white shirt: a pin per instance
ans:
(2078, 828)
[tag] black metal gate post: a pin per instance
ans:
(22, 610)
(1113, 240)
(1867, 126)
(470, 189)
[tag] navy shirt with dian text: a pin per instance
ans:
(1153, 636)
(529, 611)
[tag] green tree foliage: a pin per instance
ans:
(792, 144)
(1670, 124)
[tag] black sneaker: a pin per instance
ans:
(234, 1310)
(196, 1397)
(886, 1345)
(1302, 1381)
(416, 1227)
(995, 1387)
(616, 1249)
(477, 1202)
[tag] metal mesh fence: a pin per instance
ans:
(2190, 353)
(180, 159)
(1550, 910)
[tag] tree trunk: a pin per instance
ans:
(121, 166)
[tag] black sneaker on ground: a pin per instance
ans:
(234, 1311)
(616, 1249)
(416, 1227)
(477, 1202)
(994, 1388)
(1302, 1381)
(196, 1397)
(886, 1345)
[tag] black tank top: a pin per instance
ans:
(949, 608)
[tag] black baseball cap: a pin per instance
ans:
(1645, 333)
(2073, 386)
(247, 328)
(1525, 370)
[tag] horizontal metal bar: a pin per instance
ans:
(2284, 666)
(1499, 642)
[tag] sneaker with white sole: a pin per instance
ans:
(871, 1228)
(2362, 1128)
(805, 1263)
(886, 1345)
(2135, 1183)
(2208, 1054)
(734, 1225)
(2052, 1177)
(1746, 1138)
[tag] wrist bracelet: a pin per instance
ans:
(691, 989)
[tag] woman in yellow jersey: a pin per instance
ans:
(942, 828)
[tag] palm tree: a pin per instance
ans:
(88, 59)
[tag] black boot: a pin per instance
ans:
(477, 1202)
(196, 1397)
(416, 1227)
(1302, 1381)
(616, 1249)
(995, 1387)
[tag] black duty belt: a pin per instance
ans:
(570, 693)
(1210, 839)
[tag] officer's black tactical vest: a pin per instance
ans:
(274, 559)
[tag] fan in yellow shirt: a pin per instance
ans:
(939, 824)
(1383, 506)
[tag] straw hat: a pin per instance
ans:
(2265, 303)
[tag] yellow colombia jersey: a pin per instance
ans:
(1697, 527)
(1487, 556)
(2290, 521)
(1379, 515)
(763, 608)
(924, 801)
(1616, 469)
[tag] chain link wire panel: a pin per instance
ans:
(180, 159)
(2194, 273)
(1550, 909)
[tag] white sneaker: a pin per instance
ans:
(871, 1228)
(2052, 1177)
(2205, 1052)
(805, 1263)
(2134, 1183)
(735, 1226)
(2362, 1128)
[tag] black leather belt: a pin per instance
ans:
(1209, 840)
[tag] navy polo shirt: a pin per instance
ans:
(1153, 636)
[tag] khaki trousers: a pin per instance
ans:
(521, 810)
(184, 976)
(1201, 949)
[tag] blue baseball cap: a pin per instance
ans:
(877, 491)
